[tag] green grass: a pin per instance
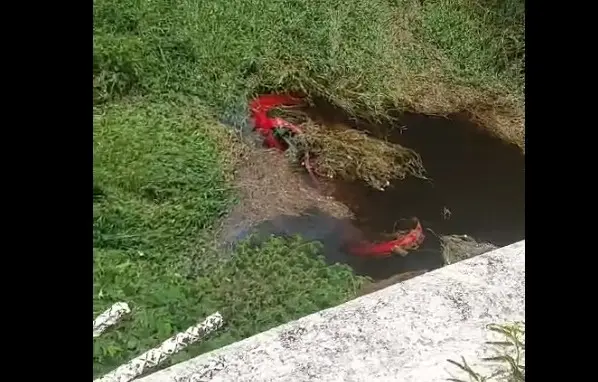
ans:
(482, 46)
(508, 362)
(362, 55)
(166, 71)
(158, 176)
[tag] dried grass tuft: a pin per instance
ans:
(340, 152)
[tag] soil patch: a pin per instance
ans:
(269, 187)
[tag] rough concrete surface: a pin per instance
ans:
(405, 332)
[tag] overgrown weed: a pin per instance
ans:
(508, 363)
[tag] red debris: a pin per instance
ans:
(401, 245)
(266, 125)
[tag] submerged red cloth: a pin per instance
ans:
(409, 241)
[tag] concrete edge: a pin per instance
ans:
(405, 332)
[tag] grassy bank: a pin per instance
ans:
(366, 56)
(165, 72)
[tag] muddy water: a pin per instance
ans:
(476, 187)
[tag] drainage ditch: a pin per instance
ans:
(472, 197)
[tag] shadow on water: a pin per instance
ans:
(476, 187)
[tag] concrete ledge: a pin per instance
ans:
(405, 332)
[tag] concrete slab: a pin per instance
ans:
(405, 332)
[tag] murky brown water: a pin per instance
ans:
(477, 184)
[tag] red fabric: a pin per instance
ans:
(408, 241)
(265, 125)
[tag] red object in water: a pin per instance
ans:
(401, 245)
(266, 125)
